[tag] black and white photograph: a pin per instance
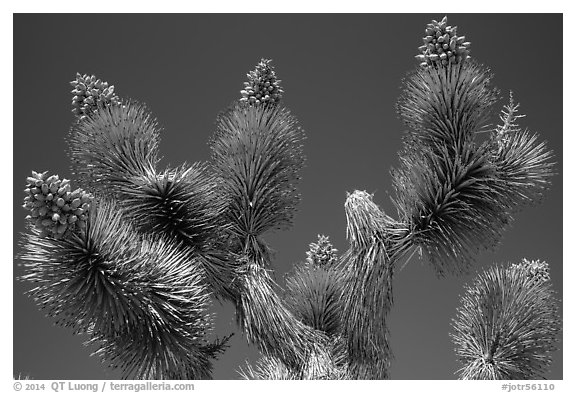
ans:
(288, 196)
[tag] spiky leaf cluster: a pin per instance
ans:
(182, 203)
(322, 252)
(115, 152)
(507, 325)
(313, 294)
(186, 205)
(456, 194)
(313, 297)
(442, 46)
(257, 155)
(262, 86)
(521, 161)
(523, 167)
(140, 302)
(55, 210)
(448, 105)
(91, 94)
(114, 145)
(452, 205)
(292, 347)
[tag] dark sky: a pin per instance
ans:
(341, 75)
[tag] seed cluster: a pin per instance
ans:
(53, 207)
(540, 271)
(262, 85)
(322, 252)
(90, 94)
(442, 45)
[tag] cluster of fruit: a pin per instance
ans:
(442, 45)
(55, 209)
(540, 271)
(90, 94)
(262, 85)
(322, 252)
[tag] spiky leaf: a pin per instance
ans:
(114, 145)
(257, 155)
(523, 168)
(506, 326)
(523, 165)
(452, 203)
(141, 301)
(459, 196)
(181, 203)
(313, 294)
(447, 106)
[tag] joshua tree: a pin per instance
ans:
(133, 256)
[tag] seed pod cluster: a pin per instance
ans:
(262, 85)
(55, 209)
(322, 252)
(540, 271)
(442, 45)
(89, 94)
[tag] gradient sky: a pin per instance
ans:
(341, 74)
